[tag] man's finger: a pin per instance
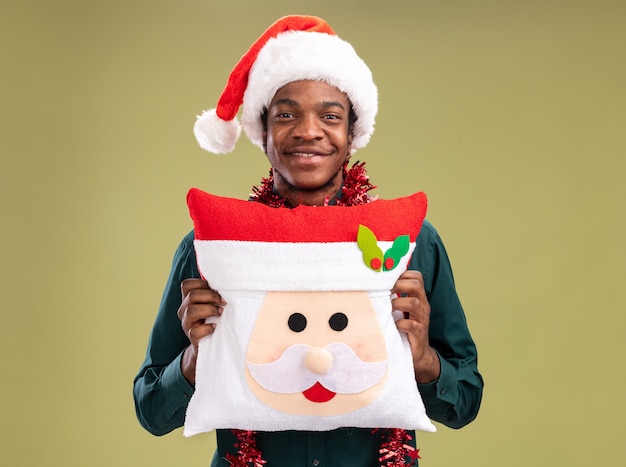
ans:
(190, 284)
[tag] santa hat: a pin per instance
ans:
(293, 48)
(249, 246)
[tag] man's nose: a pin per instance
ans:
(308, 128)
(318, 360)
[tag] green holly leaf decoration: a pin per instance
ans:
(373, 256)
(368, 244)
(393, 255)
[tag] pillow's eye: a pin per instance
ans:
(297, 322)
(338, 322)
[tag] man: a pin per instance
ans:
(308, 102)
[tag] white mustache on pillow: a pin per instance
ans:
(348, 374)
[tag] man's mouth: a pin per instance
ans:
(307, 151)
(305, 154)
(318, 393)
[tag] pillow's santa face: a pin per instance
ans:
(307, 340)
(312, 352)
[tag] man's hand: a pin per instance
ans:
(411, 299)
(199, 303)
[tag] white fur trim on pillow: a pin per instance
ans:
(236, 265)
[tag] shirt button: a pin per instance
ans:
(316, 462)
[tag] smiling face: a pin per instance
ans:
(317, 353)
(308, 140)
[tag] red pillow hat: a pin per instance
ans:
(249, 246)
(294, 48)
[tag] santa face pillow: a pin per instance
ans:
(308, 339)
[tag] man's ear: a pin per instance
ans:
(265, 141)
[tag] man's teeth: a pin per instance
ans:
(304, 154)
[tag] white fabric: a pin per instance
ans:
(223, 399)
(278, 266)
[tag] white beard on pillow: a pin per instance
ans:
(307, 340)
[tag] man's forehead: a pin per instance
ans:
(297, 92)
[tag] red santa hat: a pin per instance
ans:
(293, 48)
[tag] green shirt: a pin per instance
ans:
(162, 393)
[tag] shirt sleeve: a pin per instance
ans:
(455, 397)
(160, 390)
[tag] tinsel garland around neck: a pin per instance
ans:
(394, 447)
(356, 185)
(393, 451)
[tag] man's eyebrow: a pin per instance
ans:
(286, 101)
(327, 104)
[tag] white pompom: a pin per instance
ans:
(214, 134)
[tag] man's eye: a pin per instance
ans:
(297, 322)
(338, 322)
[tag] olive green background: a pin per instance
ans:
(509, 114)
